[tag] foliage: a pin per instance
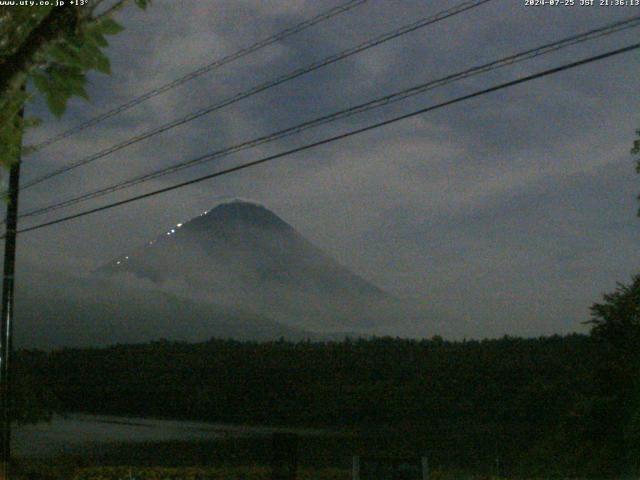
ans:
(464, 402)
(616, 324)
(602, 430)
(54, 48)
(617, 319)
(554, 406)
(32, 401)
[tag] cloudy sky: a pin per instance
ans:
(515, 210)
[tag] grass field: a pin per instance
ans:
(204, 473)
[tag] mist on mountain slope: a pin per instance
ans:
(243, 255)
(59, 310)
(237, 271)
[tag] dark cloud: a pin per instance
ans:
(513, 211)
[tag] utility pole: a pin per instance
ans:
(6, 322)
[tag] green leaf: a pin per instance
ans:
(98, 38)
(76, 80)
(64, 55)
(57, 104)
(109, 26)
(41, 82)
(103, 64)
(59, 81)
(81, 92)
(143, 4)
(83, 54)
(89, 54)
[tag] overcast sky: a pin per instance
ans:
(515, 209)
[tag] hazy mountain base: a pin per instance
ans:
(56, 309)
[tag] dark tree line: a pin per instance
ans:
(467, 402)
(565, 405)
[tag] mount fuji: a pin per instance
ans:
(242, 255)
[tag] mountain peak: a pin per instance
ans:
(241, 211)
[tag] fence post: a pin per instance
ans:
(425, 468)
(356, 467)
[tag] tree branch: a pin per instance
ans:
(58, 23)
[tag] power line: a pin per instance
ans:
(596, 33)
(376, 103)
(464, 6)
(345, 7)
(342, 136)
